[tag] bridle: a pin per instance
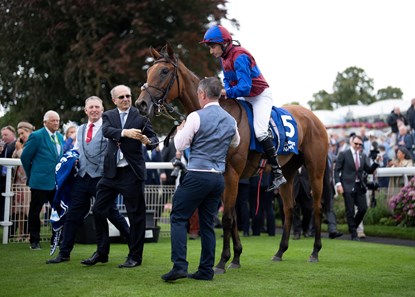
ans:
(162, 108)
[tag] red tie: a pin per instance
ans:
(89, 133)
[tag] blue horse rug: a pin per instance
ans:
(283, 128)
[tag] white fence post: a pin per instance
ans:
(9, 163)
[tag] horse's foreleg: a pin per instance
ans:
(226, 250)
(229, 223)
(288, 205)
(237, 245)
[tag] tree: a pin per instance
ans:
(61, 52)
(322, 100)
(389, 93)
(353, 86)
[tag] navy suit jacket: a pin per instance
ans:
(39, 159)
(345, 170)
(301, 180)
(131, 148)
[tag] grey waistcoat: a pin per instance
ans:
(91, 155)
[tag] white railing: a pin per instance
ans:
(405, 172)
(157, 198)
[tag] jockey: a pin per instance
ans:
(242, 78)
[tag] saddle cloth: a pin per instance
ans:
(282, 126)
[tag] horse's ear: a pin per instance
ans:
(156, 55)
(170, 52)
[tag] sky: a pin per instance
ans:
(301, 45)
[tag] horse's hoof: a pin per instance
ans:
(276, 259)
(218, 270)
(313, 259)
(233, 265)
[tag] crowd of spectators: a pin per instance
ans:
(396, 145)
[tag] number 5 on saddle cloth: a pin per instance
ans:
(282, 127)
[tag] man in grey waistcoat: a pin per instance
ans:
(92, 147)
(209, 132)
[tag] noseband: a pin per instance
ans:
(161, 106)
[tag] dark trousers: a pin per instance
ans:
(83, 190)
(356, 197)
(303, 207)
(131, 188)
(199, 190)
(265, 210)
(38, 199)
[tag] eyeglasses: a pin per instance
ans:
(124, 96)
(357, 144)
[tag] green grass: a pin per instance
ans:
(346, 268)
(383, 231)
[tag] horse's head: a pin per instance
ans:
(162, 85)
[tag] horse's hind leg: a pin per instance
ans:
(317, 225)
(319, 178)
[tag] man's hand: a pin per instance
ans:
(223, 93)
(180, 127)
(18, 145)
(340, 189)
(379, 158)
(136, 134)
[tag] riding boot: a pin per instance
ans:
(271, 154)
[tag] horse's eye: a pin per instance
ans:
(165, 71)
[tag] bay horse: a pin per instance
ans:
(169, 79)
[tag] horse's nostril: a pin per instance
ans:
(142, 107)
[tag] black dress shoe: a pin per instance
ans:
(129, 263)
(334, 235)
(94, 259)
(173, 275)
(355, 238)
(35, 246)
(306, 234)
(58, 259)
(198, 276)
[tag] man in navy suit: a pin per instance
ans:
(352, 167)
(40, 155)
(124, 173)
(208, 132)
